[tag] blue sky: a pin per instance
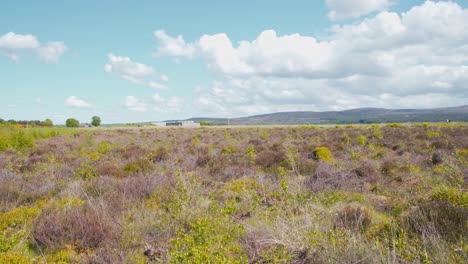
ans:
(154, 60)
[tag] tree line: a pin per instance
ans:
(70, 122)
(37, 123)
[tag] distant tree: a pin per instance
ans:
(96, 121)
(48, 123)
(71, 122)
(12, 121)
(2, 121)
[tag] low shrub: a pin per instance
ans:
(203, 156)
(229, 150)
(82, 228)
(306, 166)
(161, 154)
(271, 157)
(361, 140)
(251, 154)
(108, 168)
(104, 147)
(14, 258)
(14, 226)
(356, 218)
(321, 154)
(4, 142)
(463, 153)
(388, 167)
(86, 170)
(433, 134)
(208, 240)
(17, 139)
(450, 194)
(436, 158)
(439, 218)
(138, 165)
(240, 185)
(265, 134)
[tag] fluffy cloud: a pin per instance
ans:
(52, 51)
(343, 9)
(170, 46)
(268, 55)
(131, 71)
(134, 104)
(125, 67)
(13, 45)
(241, 97)
(11, 42)
(74, 101)
(386, 60)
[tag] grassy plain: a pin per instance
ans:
(299, 194)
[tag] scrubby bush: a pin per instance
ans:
(432, 134)
(20, 140)
(4, 142)
(229, 150)
(203, 156)
(361, 140)
(104, 147)
(357, 218)
(138, 165)
(271, 157)
(86, 170)
(436, 158)
(439, 218)
(82, 228)
(108, 168)
(14, 258)
(450, 194)
(322, 154)
(161, 154)
(208, 240)
(463, 153)
(251, 154)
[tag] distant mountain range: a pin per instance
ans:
(359, 115)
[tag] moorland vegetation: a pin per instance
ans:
(300, 194)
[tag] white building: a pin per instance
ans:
(188, 123)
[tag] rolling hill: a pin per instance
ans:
(359, 115)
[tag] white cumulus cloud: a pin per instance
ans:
(12, 41)
(74, 101)
(269, 54)
(385, 60)
(125, 67)
(170, 46)
(13, 45)
(134, 104)
(344, 9)
(52, 51)
(134, 72)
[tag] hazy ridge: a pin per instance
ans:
(359, 115)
